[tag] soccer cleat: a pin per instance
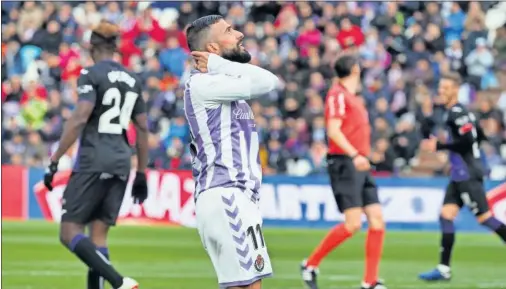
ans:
(378, 285)
(440, 273)
(309, 275)
(129, 283)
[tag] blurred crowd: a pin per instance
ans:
(404, 47)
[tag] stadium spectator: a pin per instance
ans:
(404, 47)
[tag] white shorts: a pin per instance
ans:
(230, 226)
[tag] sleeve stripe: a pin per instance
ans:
(341, 105)
(332, 107)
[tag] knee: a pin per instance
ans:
(449, 213)
(68, 231)
(353, 225)
(376, 222)
(64, 238)
(484, 217)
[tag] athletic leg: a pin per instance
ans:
(489, 221)
(374, 243)
(347, 188)
(375, 233)
(474, 196)
(451, 207)
(81, 199)
(98, 235)
(448, 214)
(336, 236)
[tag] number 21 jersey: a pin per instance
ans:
(117, 97)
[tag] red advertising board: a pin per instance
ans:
(170, 199)
(497, 201)
(14, 193)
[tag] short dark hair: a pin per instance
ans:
(344, 65)
(195, 33)
(453, 76)
(104, 36)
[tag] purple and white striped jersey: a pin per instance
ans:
(224, 137)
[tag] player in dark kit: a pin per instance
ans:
(467, 173)
(109, 97)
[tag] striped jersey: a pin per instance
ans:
(225, 141)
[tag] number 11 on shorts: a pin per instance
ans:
(251, 232)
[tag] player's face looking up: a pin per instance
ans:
(227, 42)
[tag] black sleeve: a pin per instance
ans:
(86, 87)
(140, 104)
(462, 129)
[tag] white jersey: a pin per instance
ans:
(225, 141)
(226, 167)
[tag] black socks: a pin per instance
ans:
(96, 261)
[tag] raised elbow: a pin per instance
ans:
(273, 82)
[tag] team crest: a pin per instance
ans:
(259, 263)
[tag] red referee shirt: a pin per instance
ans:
(343, 105)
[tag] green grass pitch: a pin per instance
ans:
(173, 258)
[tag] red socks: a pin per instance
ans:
(373, 251)
(334, 238)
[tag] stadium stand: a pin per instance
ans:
(404, 47)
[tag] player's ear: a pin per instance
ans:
(213, 48)
(355, 69)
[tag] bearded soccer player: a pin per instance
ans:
(225, 147)
(466, 175)
(354, 188)
(109, 97)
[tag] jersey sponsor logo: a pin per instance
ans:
(259, 263)
(242, 114)
(84, 71)
(84, 89)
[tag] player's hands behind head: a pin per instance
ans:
(361, 163)
(49, 175)
(140, 188)
(201, 58)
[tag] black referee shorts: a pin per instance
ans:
(351, 188)
(93, 196)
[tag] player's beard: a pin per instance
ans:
(236, 55)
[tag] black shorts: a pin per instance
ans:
(351, 188)
(93, 196)
(470, 193)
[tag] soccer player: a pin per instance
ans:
(109, 97)
(225, 147)
(466, 174)
(354, 188)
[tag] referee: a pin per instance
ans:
(353, 186)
